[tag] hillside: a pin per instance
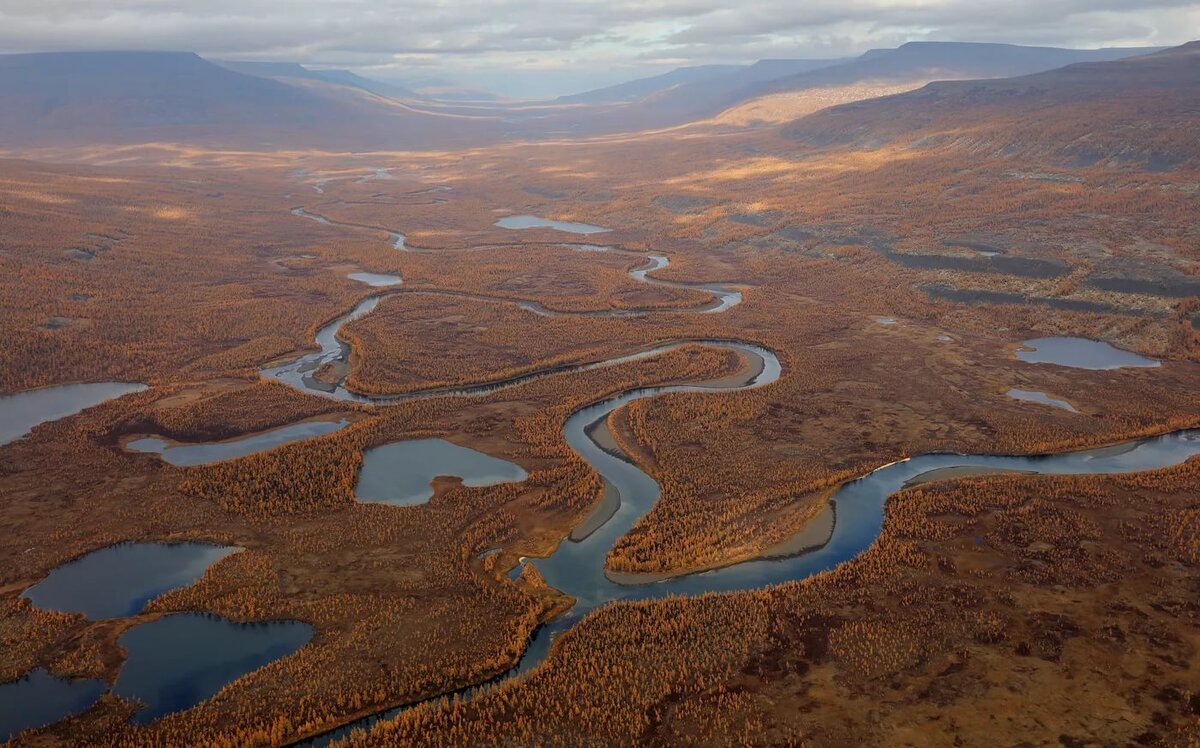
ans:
(780, 90)
(705, 97)
(77, 98)
(928, 61)
(884, 72)
(291, 71)
(1138, 110)
(642, 87)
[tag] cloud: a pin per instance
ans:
(614, 37)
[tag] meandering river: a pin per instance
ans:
(848, 527)
(724, 295)
(577, 566)
(850, 524)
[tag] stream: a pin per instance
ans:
(850, 524)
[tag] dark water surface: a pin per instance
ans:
(40, 699)
(536, 222)
(400, 472)
(204, 453)
(119, 580)
(1081, 353)
(577, 566)
(178, 661)
(19, 413)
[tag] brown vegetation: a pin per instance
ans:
(198, 274)
(1001, 609)
(415, 342)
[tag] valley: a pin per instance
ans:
(873, 426)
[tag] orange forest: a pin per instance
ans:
(813, 402)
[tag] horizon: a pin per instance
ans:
(520, 52)
(613, 79)
(835, 388)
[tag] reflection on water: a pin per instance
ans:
(19, 413)
(177, 661)
(1081, 353)
(311, 216)
(726, 296)
(204, 453)
(299, 372)
(40, 699)
(577, 566)
(376, 279)
(119, 580)
(1042, 398)
(857, 508)
(400, 473)
(535, 222)
(859, 504)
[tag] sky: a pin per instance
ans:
(551, 47)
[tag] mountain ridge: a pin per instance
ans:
(56, 98)
(1137, 110)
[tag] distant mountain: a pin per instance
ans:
(266, 69)
(642, 87)
(131, 97)
(380, 88)
(883, 72)
(295, 71)
(1139, 110)
(929, 61)
(776, 90)
(709, 96)
(69, 90)
(444, 89)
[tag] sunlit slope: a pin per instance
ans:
(642, 87)
(771, 91)
(1138, 111)
(945, 61)
(291, 72)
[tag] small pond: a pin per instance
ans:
(376, 279)
(40, 699)
(401, 472)
(1033, 396)
(119, 580)
(1080, 353)
(177, 661)
(536, 222)
(204, 453)
(19, 413)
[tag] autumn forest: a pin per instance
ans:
(857, 414)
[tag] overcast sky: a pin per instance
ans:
(542, 47)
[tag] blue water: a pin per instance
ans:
(40, 699)
(1081, 353)
(119, 580)
(19, 413)
(176, 662)
(1033, 396)
(400, 472)
(577, 567)
(536, 222)
(204, 453)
